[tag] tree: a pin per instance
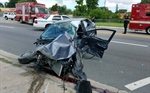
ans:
(61, 9)
(11, 3)
(81, 10)
(1, 5)
(54, 7)
(97, 13)
(145, 1)
(115, 16)
(69, 11)
(64, 10)
(122, 10)
(91, 4)
(5, 4)
(116, 8)
(103, 8)
(19, 1)
(101, 13)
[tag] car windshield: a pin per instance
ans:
(42, 10)
(54, 30)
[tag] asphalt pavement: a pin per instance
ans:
(125, 61)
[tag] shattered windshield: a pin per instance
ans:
(54, 30)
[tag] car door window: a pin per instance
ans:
(32, 9)
(65, 17)
(56, 18)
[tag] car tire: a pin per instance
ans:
(148, 30)
(47, 25)
(14, 19)
(33, 20)
(20, 20)
(27, 57)
(6, 17)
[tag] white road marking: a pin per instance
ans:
(47, 87)
(138, 84)
(130, 44)
(6, 26)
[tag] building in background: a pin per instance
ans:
(8, 9)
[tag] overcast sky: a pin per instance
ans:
(111, 4)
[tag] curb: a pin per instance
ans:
(54, 83)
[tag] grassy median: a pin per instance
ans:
(109, 24)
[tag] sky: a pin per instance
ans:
(111, 4)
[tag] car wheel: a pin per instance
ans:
(27, 57)
(33, 20)
(47, 26)
(21, 21)
(6, 17)
(14, 18)
(148, 30)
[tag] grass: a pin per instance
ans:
(109, 24)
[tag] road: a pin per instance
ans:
(126, 60)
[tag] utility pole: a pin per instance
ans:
(105, 7)
(104, 3)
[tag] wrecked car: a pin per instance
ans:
(61, 45)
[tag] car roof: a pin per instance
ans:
(51, 15)
(56, 15)
(74, 21)
(71, 19)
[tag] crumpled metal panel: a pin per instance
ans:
(60, 48)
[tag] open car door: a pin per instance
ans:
(95, 45)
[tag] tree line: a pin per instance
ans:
(11, 3)
(90, 9)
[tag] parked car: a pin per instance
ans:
(9, 15)
(44, 23)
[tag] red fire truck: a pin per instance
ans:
(140, 17)
(28, 11)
